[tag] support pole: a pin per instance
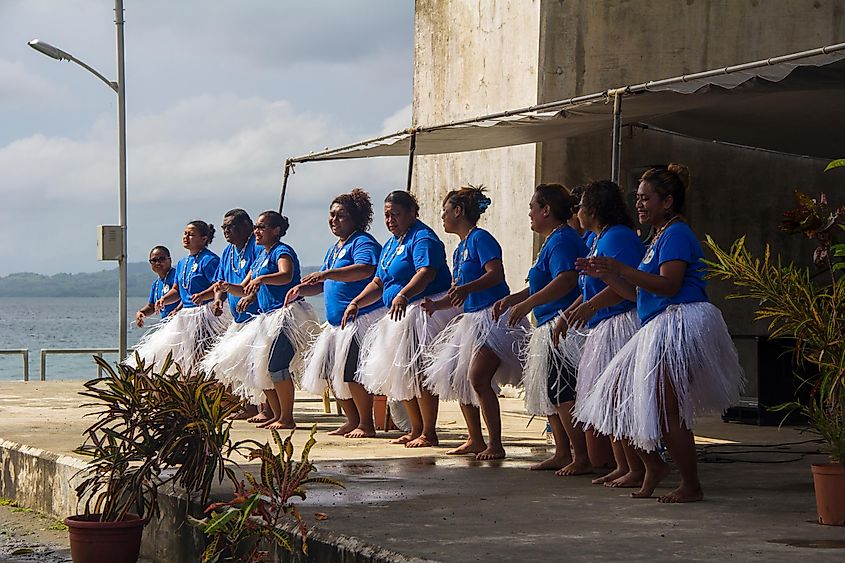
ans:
(411, 151)
(288, 166)
(121, 141)
(616, 153)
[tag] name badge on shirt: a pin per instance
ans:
(400, 249)
(241, 264)
(466, 253)
(194, 267)
(165, 288)
(342, 253)
(648, 256)
(264, 264)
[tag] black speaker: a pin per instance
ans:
(770, 369)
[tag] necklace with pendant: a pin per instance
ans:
(387, 260)
(463, 252)
(188, 272)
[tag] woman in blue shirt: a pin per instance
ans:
(611, 320)
(188, 334)
(281, 333)
(682, 362)
(162, 265)
(412, 265)
(549, 375)
(473, 350)
(348, 267)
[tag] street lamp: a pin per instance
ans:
(119, 88)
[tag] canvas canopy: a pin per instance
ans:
(791, 104)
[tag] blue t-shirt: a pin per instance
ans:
(359, 248)
(160, 288)
(272, 297)
(233, 268)
(400, 259)
(557, 256)
(677, 242)
(468, 263)
(588, 237)
(195, 274)
(623, 244)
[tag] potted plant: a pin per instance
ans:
(146, 423)
(250, 525)
(809, 310)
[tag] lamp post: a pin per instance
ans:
(120, 89)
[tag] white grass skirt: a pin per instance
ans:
(448, 359)
(250, 375)
(187, 335)
(392, 353)
(326, 358)
(688, 347)
(541, 357)
(225, 359)
(601, 345)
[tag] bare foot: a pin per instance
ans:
(361, 433)
(423, 441)
(260, 418)
(630, 480)
(684, 493)
(552, 464)
(468, 447)
(268, 422)
(577, 467)
(651, 479)
(281, 425)
(615, 474)
(493, 452)
(343, 430)
(402, 440)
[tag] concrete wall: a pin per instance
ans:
(473, 58)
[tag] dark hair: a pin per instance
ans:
(604, 199)
(405, 199)
(556, 196)
(359, 206)
(238, 215)
(671, 180)
(205, 229)
(276, 219)
(471, 199)
(163, 249)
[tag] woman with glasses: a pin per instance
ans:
(188, 334)
(162, 266)
(280, 335)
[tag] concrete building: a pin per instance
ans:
(473, 58)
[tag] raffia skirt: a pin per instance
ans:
(541, 359)
(326, 358)
(686, 347)
(601, 346)
(248, 352)
(225, 359)
(448, 359)
(186, 335)
(392, 355)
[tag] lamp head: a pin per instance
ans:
(47, 49)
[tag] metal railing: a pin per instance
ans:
(94, 351)
(24, 354)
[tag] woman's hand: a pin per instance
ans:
(159, 305)
(398, 307)
(518, 312)
(580, 315)
(251, 288)
(197, 299)
(350, 314)
(293, 294)
(457, 295)
(600, 266)
(561, 327)
(500, 307)
(314, 278)
(244, 303)
(139, 319)
(217, 307)
(221, 286)
(429, 306)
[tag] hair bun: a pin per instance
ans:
(681, 171)
(483, 202)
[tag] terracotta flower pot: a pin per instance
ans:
(95, 542)
(829, 482)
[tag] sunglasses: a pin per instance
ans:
(159, 259)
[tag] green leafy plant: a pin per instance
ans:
(797, 307)
(146, 423)
(246, 527)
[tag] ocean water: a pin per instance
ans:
(68, 322)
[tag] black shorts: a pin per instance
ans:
(281, 355)
(351, 366)
(562, 383)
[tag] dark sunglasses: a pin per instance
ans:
(159, 259)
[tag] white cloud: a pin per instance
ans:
(397, 122)
(18, 85)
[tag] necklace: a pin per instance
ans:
(188, 272)
(337, 251)
(595, 245)
(458, 264)
(661, 229)
(388, 257)
(241, 261)
(548, 236)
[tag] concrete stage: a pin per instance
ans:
(402, 504)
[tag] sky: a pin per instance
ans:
(218, 95)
